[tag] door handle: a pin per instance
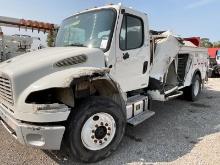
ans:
(145, 67)
(126, 56)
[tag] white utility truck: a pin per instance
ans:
(103, 74)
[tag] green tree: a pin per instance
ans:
(216, 44)
(51, 38)
(205, 42)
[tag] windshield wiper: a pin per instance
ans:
(77, 44)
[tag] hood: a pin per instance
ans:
(25, 69)
(47, 56)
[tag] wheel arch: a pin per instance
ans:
(99, 85)
(188, 90)
(197, 72)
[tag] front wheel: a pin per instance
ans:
(192, 92)
(95, 130)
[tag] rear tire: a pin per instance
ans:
(95, 130)
(192, 92)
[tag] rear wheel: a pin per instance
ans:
(192, 92)
(95, 130)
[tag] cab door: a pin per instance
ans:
(131, 69)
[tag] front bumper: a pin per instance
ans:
(43, 137)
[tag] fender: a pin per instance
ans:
(65, 79)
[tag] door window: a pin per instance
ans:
(132, 33)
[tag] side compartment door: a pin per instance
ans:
(132, 51)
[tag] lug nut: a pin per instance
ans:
(106, 124)
(108, 134)
(109, 128)
(100, 141)
(102, 123)
(95, 141)
(93, 137)
(96, 126)
(105, 139)
(93, 131)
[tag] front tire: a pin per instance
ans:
(95, 130)
(192, 92)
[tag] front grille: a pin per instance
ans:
(6, 90)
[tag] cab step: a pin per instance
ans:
(135, 99)
(174, 95)
(140, 118)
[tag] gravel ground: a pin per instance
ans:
(181, 132)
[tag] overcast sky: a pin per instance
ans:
(184, 17)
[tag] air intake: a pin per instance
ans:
(72, 61)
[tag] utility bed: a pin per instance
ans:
(175, 60)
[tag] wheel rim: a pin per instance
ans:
(196, 88)
(98, 131)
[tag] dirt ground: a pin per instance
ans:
(181, 132)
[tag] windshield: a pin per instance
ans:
(91, 29)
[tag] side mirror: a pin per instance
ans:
(122, 11)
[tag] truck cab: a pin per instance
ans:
(103, 73)
(218, 57)
(122, 34)
(214, 64)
